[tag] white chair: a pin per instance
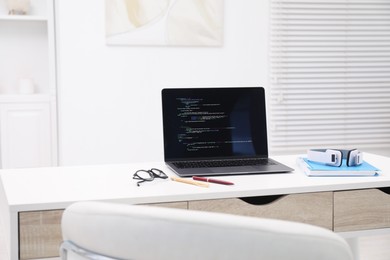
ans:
(97, 230)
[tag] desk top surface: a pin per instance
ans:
(58, 187)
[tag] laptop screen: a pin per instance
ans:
(204, 123)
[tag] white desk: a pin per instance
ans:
(55, 188)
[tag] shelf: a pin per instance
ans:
(30, 98)
(23, 18)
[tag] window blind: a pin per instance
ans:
(329, 75)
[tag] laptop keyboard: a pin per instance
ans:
(222, 163)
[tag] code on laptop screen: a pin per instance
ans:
(214, 122)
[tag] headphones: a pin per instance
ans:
(334, 157)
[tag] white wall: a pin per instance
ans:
(109, 97)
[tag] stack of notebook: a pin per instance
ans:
(318, 169)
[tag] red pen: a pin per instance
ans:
(206, 179)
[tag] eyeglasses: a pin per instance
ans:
(148, 175)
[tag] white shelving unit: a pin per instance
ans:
(28, 132)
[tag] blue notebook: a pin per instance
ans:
(318, 169)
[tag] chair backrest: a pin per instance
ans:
(121, 231)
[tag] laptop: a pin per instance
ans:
(216, 131)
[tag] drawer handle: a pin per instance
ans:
(261, 200)
(385, 190)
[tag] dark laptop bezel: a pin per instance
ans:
(169, 94)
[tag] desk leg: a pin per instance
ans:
(5, 238)
(8, 227)
(14, 236)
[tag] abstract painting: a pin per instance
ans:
(164, 22)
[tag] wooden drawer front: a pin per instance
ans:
(40, 234)
(40, 231)
(312, 208)
(361, 210)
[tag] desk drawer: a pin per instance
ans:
(312, 208)
(40, 231)
(39, 234)
(361, 210)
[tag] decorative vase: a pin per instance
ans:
(26, 86)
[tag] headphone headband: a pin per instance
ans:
(334, 157)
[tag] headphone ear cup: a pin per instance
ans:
(349, 159)
(354, 158)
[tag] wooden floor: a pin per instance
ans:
(375, 247)
(371, 246)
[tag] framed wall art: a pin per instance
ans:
(164, 22)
